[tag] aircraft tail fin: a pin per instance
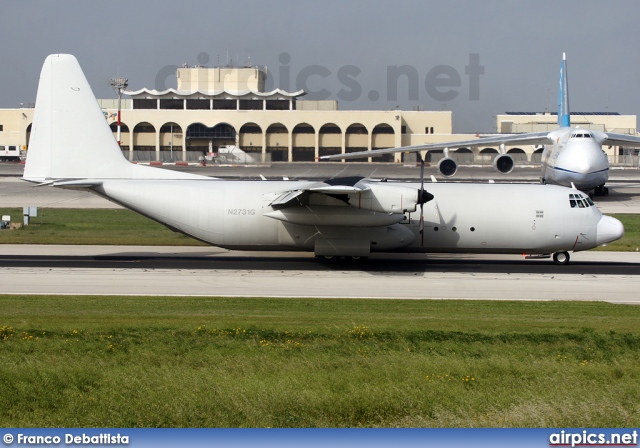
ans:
(564, 117)
(70, 138)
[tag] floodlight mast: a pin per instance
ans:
(119, 86)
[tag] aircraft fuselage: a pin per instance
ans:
(576, 157)
(531, 219)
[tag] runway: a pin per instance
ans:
(203, 271)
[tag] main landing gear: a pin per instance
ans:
(561, 258)
(600, 191)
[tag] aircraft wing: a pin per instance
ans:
(621, 140)
(533, 138)
(339, 187)
(372, 198)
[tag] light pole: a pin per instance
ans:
(119, 86)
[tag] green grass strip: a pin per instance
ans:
(87, 361)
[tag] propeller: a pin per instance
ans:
(423, 195)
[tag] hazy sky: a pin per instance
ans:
(476, 58)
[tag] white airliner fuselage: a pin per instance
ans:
(575, 157)
(73, 147)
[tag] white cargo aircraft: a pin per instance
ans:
(571, 157)
(233, 154)
(73, 147)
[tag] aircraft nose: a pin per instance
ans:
(609, 229)
(585, 159)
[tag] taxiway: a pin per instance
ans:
(205, 271)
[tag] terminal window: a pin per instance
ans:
(1, 128)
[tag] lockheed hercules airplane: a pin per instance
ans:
(73, 147)
(571, 156)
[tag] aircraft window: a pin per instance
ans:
(585, 200)
(580, 204)
(573, 203)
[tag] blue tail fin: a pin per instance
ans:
(564, 119)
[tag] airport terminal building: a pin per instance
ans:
(228, 106)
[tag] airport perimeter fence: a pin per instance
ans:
(141, 156)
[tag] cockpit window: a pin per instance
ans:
(580, 201)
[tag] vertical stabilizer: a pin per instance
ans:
(564, 119)
(70, 138)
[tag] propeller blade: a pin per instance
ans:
(421, 196)
(421, 172)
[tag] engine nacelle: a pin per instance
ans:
(503, 163)
(382, 197)
(447, 167)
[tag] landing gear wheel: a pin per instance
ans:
(561, 257)
(601, 191)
